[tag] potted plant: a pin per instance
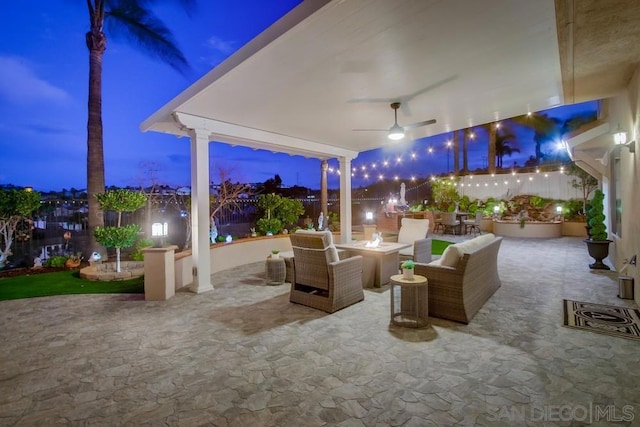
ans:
(407, 269)
(275, 254)
(597, 243)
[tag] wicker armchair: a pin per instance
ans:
(320, 279)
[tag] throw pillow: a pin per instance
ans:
(451, 256)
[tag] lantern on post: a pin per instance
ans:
(160, 230)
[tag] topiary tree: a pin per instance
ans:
(595, 217)
(120, 236)
(15, 206)
(268, 204)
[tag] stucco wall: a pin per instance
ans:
(231, 255)
(625, 110)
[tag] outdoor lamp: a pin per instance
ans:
(620, 138)
(229, 238)
(368, 216)
(161, 230)
(559, 210)
(496, 209)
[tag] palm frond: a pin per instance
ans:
(133, 21)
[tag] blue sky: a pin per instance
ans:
(43, 98)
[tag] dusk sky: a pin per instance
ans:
(43, 102)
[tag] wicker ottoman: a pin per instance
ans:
(275, 271)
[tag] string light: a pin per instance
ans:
(360, 170)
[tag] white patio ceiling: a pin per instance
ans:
(329, 67)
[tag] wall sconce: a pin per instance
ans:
(160, 230)
(620, 138)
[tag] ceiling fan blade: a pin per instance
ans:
(420, 124)
(370, 100)
(371, 130)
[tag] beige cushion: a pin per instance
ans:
(486, 238)
(327, 233)
(476, 243)
(406, 251)
(451, 256)
(413, 229)
(332, 254)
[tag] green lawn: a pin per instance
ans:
(69, 282)
(63, 283)
(438, 246)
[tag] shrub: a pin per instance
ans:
(56, 261)
(144, 242)
(266, 225)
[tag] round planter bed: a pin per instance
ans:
(106, 272)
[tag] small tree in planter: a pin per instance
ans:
(269, 224)
(597, 243)
(582, 181)
(15, 206)
(120, 236)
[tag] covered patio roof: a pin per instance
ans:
(329, 67)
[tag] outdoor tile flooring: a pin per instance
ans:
(242, 355)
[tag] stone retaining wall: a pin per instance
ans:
(106, 272)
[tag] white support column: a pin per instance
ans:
(200, 211)
(345, 199)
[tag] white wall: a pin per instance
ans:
(553, 185)
(625, 110)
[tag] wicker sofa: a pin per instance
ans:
(463, 279)
(320, 279)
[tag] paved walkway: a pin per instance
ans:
(242, 355)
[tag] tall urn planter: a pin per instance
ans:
(598, 250)
(597, 243)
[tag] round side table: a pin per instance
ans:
(275, 270)
(409, 301)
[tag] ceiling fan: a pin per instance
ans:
(397, 132)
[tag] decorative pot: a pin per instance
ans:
(274, 256)
(407, 273)
(598, 250)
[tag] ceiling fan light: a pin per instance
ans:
(396, 133)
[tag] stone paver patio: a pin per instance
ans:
(242, 355)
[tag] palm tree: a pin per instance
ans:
(133, 20)
(491, 156)
(545, 128)
(456, 153)
(503, 148)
